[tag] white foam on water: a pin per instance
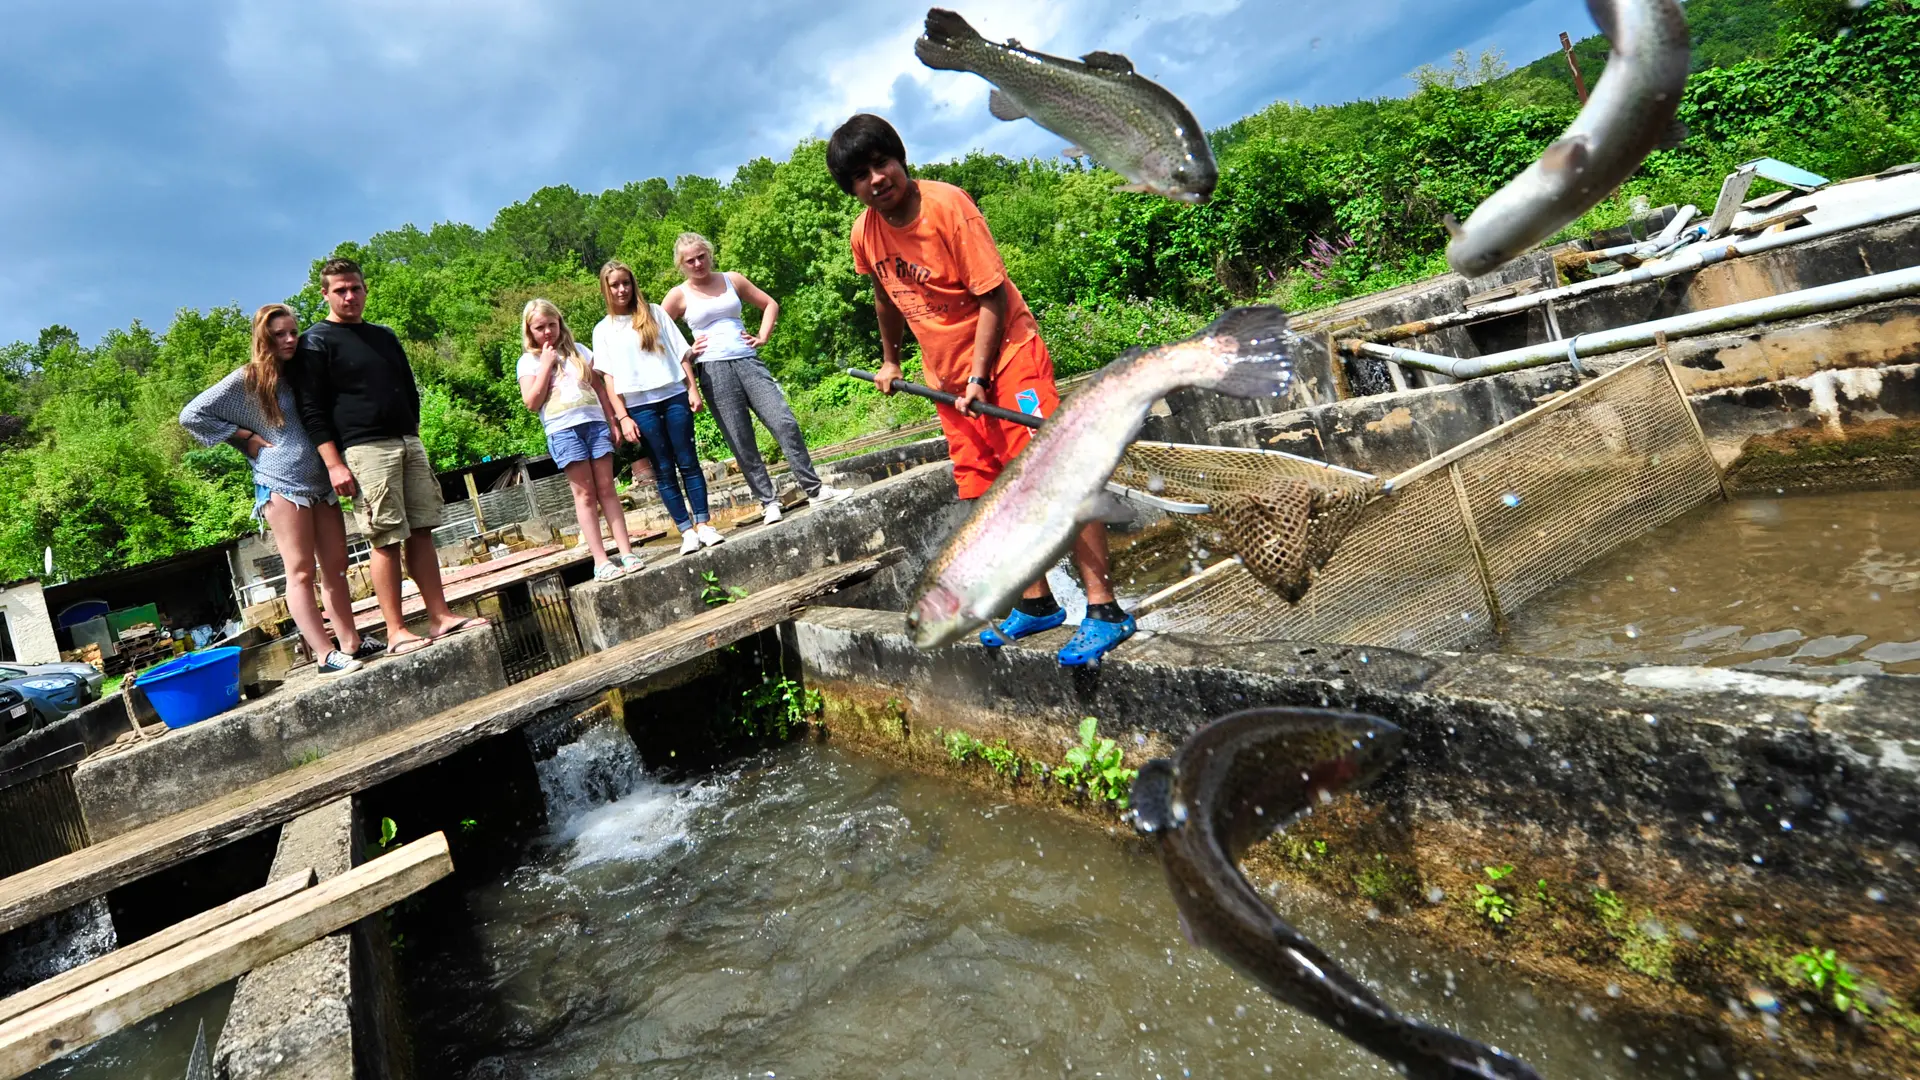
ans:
(601, 766)
(58, 943)
(1703, 680)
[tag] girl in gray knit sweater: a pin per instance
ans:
(253, 409)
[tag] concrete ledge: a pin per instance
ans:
(294, 1016)
(1654, 767)
(915, 510)
(196, 764)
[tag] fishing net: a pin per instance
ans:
(1283, 515)
(1463, 538)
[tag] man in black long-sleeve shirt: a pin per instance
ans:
(361, 407)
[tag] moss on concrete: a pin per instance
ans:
(1881, 453)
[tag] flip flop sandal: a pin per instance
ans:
(413, 645)
(471, 622)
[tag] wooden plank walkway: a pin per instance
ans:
(57, 885)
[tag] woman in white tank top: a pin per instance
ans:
(732, 377)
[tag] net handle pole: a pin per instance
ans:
(951, 400)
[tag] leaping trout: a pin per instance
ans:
(1629, 115)
(1027, 519)
(1234, 782)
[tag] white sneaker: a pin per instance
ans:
(708, 535)
(771, 513)
(690, 541)
(828, 493)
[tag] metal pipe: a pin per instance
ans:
(1692, 258)
(1843, 294)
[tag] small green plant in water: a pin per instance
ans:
(1541, 894)
(388, 832)
(467, 825)
(1832, 978)
(1096, 762)
(1002, 758)
(960, 745)
(776, 706)
(1489, 901)
(713, 593)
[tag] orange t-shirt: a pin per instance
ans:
(935, 271)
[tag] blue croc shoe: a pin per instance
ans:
(1020, 624)
(1093, 640)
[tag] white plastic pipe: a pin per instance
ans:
(1841, 294)
(1692, 258)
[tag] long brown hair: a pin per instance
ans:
(263, 371)
(564, 345)
(644, 324)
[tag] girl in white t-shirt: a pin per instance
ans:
(557, 381)
(643, 357)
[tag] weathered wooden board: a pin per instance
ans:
(226, 952)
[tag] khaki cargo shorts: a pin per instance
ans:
(398, 493)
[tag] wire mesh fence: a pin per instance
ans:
(1468, 536)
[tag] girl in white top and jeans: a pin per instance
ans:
(732, 373)
(557, 381)
(642, 355)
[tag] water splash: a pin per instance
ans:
(43, 949)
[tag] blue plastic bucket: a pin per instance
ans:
(191, 688)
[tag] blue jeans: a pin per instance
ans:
(667, 426)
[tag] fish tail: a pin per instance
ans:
(946, 34)
(1428, 1050)
(1259, 361)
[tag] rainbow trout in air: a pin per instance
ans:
(1234, 782)
(1629, 115)
(1023, 524)
(1129, 124)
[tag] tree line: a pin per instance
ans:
(1315, 204)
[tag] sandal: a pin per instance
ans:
(471, 622)
(410, 645)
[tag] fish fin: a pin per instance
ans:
(1453, 226)
(1108, 61)
(1104, 505)
(1262, 365)
(1603, 17)
(1074, 152)
(1003, 107)
(946, 31)
(1566, 156)
(1186, 928)
(1675, 134)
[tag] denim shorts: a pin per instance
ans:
(581, 442)
(261, 493)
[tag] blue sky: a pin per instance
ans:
(161, 154)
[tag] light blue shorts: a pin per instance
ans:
(262, 493)
(581, 442)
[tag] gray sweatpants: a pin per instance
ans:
(732, 387)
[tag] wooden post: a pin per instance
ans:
(473, 496)
(1579, 84)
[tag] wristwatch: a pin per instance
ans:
(983, 382)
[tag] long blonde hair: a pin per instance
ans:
(263, 370)
(644, 324)
(564, 345)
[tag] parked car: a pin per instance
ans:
(17, 715)
(52, 695)
(12, 670)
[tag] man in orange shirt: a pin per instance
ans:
(936, 268)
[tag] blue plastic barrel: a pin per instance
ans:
(191, 688)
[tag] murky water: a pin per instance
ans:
(819, 914)
(156, 1048)
(1828, 583)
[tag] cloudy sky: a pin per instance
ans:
(159, 154)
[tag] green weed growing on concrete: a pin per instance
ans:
(1097, 764)
(713, 593)
(1488, 900)
(960, 745)
(308, 756)
(1002, 758)
(389, 832)
(1606, 904)
(1832, 979)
